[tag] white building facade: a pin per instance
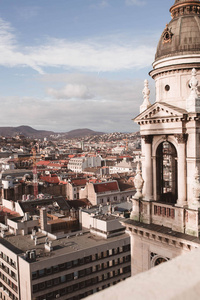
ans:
(169, 202)
(78, 164)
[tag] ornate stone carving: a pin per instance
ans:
(138, 182)
(181, 138)
(147, 139)
(193, 101)
(146, 92)
(167, 35)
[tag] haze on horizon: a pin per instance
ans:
(77, 64)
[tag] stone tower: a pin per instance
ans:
(165, 219)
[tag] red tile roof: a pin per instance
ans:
(50, 179)
(43, 163)
(106, 187)
(77, 182)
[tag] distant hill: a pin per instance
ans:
(82, 132)
(30, 132)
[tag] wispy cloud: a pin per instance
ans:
(70, 91)
(135, 2)
(88, 55)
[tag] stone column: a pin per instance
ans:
(182, 176)
(148, 180)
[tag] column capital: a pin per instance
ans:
(147, 138)
(181, 138)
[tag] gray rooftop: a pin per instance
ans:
(21, 244)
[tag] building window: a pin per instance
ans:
(81, 273)
(34, 275)
(42, 286)
(49, 283)
(76, 275)
(35, 288)
(75, 262)
(63, 278)
(41, 272)
(48, 271)
(69, 264)
(87, 259)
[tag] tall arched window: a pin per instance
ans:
(166, 169)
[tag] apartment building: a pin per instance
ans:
(73, 188)
(39, 267)
(78, 164)
(105, 192)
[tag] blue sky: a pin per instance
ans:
(68, 64)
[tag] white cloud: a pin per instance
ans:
(135, 2)
(79, 91)
(87, 55)
(93, 87)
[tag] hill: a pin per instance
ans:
(30, 132)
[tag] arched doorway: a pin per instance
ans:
(166, 169)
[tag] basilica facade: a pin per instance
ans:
(165, 218)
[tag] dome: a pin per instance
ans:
(182, 35)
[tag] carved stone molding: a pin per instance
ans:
(167, 35)
(181, 138)
(185, 9)
(147, 138)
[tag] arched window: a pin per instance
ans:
(166, 169)
(157, 259)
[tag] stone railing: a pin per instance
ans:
(178, 279)
(163, 214)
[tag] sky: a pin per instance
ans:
(69, 64)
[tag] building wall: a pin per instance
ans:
(9, 281)
(92, 196)
(78, 273)
(25, 279)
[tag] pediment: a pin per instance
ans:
(160, 110)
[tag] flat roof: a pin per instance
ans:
(66, 245)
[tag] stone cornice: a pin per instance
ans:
(154, 235)
(160, 120)
(161, 112)
(174, 69)
(185, 118)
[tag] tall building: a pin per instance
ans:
(165, 219)
(46, 266)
